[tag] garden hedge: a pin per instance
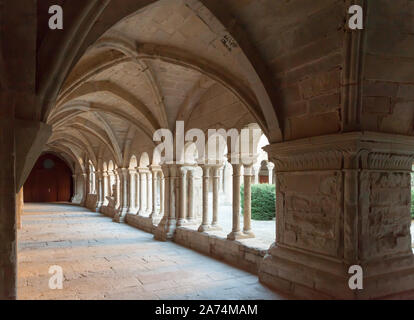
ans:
(263, 201)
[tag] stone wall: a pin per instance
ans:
(303, 49)
(243, 255)
(388, 87)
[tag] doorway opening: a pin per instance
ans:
(49, 181)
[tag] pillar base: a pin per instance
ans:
(120, 216)
(155, 218)
(238, 235)
(98, 207)
(204, 228)
(165, 230)
(249, 234)
(182, 222)
(309, 276)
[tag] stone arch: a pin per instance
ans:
(133, 163)
(144, 161)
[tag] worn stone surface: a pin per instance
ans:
(292, 68)
(106, 260)
(342, 202)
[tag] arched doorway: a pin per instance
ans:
(49, 181)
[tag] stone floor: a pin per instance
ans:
(106, 260)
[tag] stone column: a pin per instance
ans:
(228, 185)
(131, 190)
(118, 189)
(205, 225)
(183, 197)
(236, 233)
(156, 181)
(270, 167)
(221, 178)
(216, 183)
(154, 212)
(99, 190)
(162, 193)
(256, 172)
(247, 214)
(190, 191)
(105, 177)
(85, 188)
(123, 174)
(342, 201)
(137, 191)
(75, 187)
(149, 193)
(166, 228)
(142, 196)
(19, 208)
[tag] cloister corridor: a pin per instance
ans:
(105, 260)
(207, 149)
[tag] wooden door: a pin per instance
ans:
(49, 181)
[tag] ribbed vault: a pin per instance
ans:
(151, 69)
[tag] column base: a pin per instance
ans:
(309, 276)
(120, 216)
(204, 228)
(182, 222)
(165, 230)
(238, 235)
(155, 218)
(249, 234)
(98, 206)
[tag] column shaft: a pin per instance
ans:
(183, 197)
(205, 225)
(247, 216)
(190, 213)
(236, 233)
(216, 183)
(149, 192)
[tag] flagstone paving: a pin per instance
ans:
(105, 260)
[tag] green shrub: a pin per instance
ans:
(412, 203)
(263, 201)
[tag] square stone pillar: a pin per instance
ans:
(342, 200)
(8, 235)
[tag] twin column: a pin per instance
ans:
(214, 171)
(236, 232)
